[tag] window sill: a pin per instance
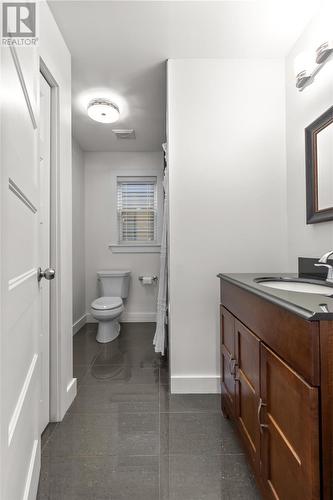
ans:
(138, 248)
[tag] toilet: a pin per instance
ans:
(113, 285)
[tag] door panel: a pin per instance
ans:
(228, 361)
(19, 132)
(248, 388)
(21, 318)
(23, 232)
(290, 441)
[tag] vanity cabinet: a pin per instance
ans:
(277, 386)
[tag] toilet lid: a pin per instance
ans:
(107, 303)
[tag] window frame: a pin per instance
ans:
(138, 246)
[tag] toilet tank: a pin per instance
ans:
(114, 283)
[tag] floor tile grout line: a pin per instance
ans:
(134, 412)
(104, 414)
(125, 413)
(201, 412)
(225, 454)
(54, 457)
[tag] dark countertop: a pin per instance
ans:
(309, 306)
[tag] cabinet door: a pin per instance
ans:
(248, 389)
(290, 443)
(228, 362)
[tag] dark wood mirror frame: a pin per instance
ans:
(313, 214)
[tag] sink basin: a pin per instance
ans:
(296, 285)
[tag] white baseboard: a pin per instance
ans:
(31, 485)
(135, 317)
(90, 319)
(71, 392)
(192, 384)
(79, 323)
(138, 317)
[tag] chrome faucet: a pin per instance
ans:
(322, 262)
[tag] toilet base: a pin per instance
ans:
(107, 331)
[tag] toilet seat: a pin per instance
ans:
(106, 303)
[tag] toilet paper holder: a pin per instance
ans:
(154, 278)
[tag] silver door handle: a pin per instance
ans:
(261, 426)
(232, 366)
(48, 274)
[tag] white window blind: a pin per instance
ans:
(137, 209)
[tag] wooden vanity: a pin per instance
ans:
(277, 386)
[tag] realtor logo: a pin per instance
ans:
(19, 23)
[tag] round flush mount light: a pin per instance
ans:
(103, 110)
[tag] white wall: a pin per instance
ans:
(302, 108)
(226, 139)
(101, 171)
(79, 287)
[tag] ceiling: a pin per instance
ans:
(119, 50)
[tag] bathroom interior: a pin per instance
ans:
(194, 280)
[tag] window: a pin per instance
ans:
(137, 209)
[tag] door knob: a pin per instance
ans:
(48, 274)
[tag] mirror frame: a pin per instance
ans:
(313, 214)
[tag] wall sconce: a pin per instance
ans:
(324, 51)
(303, 69)
(306, 67)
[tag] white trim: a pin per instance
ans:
(194, 384)
(18, 408)
(30, 489)
(18, 280)
(3, 178)
(72, 386)
(79, 323)
(138, 317)
(130, 317)
(137, 248)
(90, 319)
(152, 181)
(71, 391)
(55, 65)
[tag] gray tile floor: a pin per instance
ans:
(127, 438)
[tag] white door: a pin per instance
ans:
(44, 221)
(21, 319)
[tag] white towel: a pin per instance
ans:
(161, 317)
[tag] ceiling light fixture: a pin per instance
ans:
(103, 111)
